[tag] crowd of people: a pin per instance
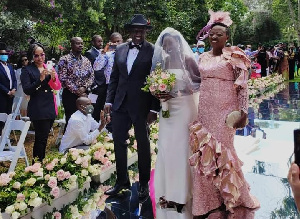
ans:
(281, 58)
(198, 172)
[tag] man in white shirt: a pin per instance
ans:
(130, 105)
(8, 83)
(82, 128)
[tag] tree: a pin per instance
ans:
(288, 24)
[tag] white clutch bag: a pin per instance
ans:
(232, 118)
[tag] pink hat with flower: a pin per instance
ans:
(221, 17)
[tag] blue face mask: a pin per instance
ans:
(194, 49)
(3, 58)
(201, 50)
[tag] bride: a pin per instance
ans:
(172, 178)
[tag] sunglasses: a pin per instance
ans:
(37, 55)
(24, 60)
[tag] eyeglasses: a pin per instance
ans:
(37, 55)
(24, 60)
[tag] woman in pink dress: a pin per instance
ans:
(218, 181)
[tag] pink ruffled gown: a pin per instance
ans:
(217, 174)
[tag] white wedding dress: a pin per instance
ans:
(172, 171)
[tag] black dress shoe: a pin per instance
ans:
(143, 192)
(117, 188)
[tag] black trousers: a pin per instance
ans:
(69, 104)
(121, 123)
(98, 106)
(291, 69)
(42, 129)
(6, 107)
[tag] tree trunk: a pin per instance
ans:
(293, 16)
(298, 26)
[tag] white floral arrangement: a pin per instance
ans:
(260, 85)
(25, 189)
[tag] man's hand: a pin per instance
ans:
(151, 117)
(242, 121)
(81, 92)
(107, 109)
(11, 93)
(104, 120)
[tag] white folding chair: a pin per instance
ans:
(16, 106)
(3, 118)
(18, 151)
(61, 123)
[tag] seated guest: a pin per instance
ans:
(82, 128)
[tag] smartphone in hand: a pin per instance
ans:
(297, 146)
(49, 65)
(112, 47)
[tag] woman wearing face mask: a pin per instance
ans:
(23, 61)
(199, 49)
(172, 178)
(218, 182)
(40, 83)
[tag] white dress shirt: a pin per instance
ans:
(132, 54)
(8, 74)
(81, 129)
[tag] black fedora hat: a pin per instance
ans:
(138, 20)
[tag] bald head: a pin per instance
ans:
(76, 45)
(84, 101)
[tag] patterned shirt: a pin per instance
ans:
(75, 72)
(105, 61)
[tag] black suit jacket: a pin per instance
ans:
(41, 103)
(127, 87)
(5, 100)
(92, 54)
(4, 80)
(100, 79)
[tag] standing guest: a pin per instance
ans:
(263, 59)
(219, 182)
(39, 83)
(76, 75)
(99, 86)
(292, 61)
(97, 44)
(130, 105)
(23, 61)
(104, 63)
(283, 67)
(82, 129)
(8, 83)
(199, 50)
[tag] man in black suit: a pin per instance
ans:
(130, 105)
(92, 53)
(99, 86)
(8, 83)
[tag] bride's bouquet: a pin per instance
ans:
(158, 82)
